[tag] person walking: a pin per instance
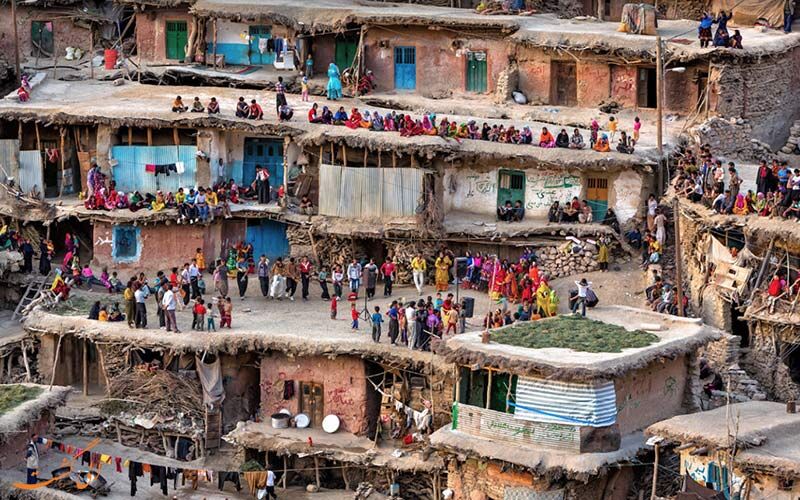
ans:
(418, 268)
(241, 276)
(305, 269)
(580, 298)
(271, 485)
(169, 303)
(370, 278)
(377, 320)
(140, 295)
(194, 278)
(263, 275)
(354, 276)
(130, 305)
(221, 278)
(291, 278)
(394, 325)
(280, 95)
(388, 273)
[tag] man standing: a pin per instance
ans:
(186, 283)
(162, 319)
(221, 278)
(387, 272)
(305, 275)
(354, 275)
(788, 16)
(291, 278)
(394, 324)
(263, 275)
(32, 460)
(169, 302)
(278, 288)
(280, 96)
(262, 184)
(140, 294)
(271, 485)
(418, 268)
(194, 278)
(370, 277)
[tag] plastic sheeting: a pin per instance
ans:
(369, 193)
(210, 375)
(31, 171)
(747, 12)
(130, 175)
(541, 400)
(9, 153)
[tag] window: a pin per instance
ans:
(606, 7)
(42, 38)
(125, 244)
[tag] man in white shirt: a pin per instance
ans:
(271, 485)
(168, 303)
(354, 276)
(411, 324)
(194, 277)
(580, 299)
(141, 310)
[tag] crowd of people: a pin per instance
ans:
(200, 205)
(721, 38)
(703, 179)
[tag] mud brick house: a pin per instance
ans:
(757, 460)
(557, 408)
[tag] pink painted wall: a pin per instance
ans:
(151, 33)
(534, 75)
(593, 83)
(623, 85)
(343, 379)
(440, 69)
(651, 394)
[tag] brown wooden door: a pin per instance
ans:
(646, 88)
(312, 402)
(597, 197)
(564, 83)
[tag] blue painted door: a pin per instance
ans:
(268, 237)
(267, 153)
(405, 68)
(257, 57)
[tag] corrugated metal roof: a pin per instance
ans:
(130, 175)
(31, 171)
(9, 153)
(541, 400)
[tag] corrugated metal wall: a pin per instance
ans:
(504, 427)
(130, 174)
(540, 400)
(9, 153)
(31, 171)
(369, 193)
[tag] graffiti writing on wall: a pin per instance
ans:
(480, 185)
(543, 190)
(339, 396)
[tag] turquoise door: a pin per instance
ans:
(267, 153)
(405, 68)
(258, 33)
(268, 238)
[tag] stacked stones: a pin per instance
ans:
(794, 139)
(556, 263)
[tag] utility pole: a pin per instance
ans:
(655, 473)
(16, 41)
(660, 98)
(676, 215)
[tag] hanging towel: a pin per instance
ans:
(262, 45)
(179, 167)
(118, 463)
(288, 389)
(150, 168)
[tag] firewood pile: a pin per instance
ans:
(115, 359)
(159, 394)
(403, 251)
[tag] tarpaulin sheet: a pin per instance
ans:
(540, 400)
(747, 12)
(211, 379)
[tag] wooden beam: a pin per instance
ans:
(62, 132)
(38, 137)
(215, 43)
(344, 154)
(285, 472)
(130, 136)
(55, 361)
(316, 470)
(176, 137)
(149, 136)
(85, 364)
(25, 361)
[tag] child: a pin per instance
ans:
(309, 67)
(334, 302)
(178, 106)
(452, 320)
(637, 125)
(226, 312)
(211, 326)
(612, 128)
(197, 106)
(377, 319)
(116, 284)
(199, 313)
(602, 255)
(103, 315)
(353, 316)
(201, 260)
(304, 89)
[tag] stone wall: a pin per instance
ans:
(763, 92)
(732, 138)
(764, 363)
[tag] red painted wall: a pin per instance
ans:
(440, 68)
(163, 247)
(623, 84)
(151, 33)
(344, 384)
(593, 83)
(65, 32)
(534, 75)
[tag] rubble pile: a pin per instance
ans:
(159, 392)
(567, 259)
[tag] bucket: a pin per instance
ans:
(110, 57)
(280, 420)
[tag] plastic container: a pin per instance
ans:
(110, 58)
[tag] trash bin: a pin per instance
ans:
(110, 57)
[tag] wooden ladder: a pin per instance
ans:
(34, 289)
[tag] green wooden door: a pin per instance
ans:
(257, 33)
(511, 187)
(500, 392)
(476, 72)
(42, 38)
(177, 36)
(345, 54)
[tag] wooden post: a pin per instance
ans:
(379, 158)
(489, 390)
(149, 136)
(333, 155)
(214, 42)
(285, 472)
(55, 362)
(103, 368)
(676, 214)
(130, 136)
(655, 474)
(286, 142)
(38, 137)
(316, 469)
(25, 361)
(344, 154)
(366, 151)
(85, 367)
(16, 41)
(394, 160)
(175, 137)
(320, 155)
(62, 132)
(91, 50)
(659, 97)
